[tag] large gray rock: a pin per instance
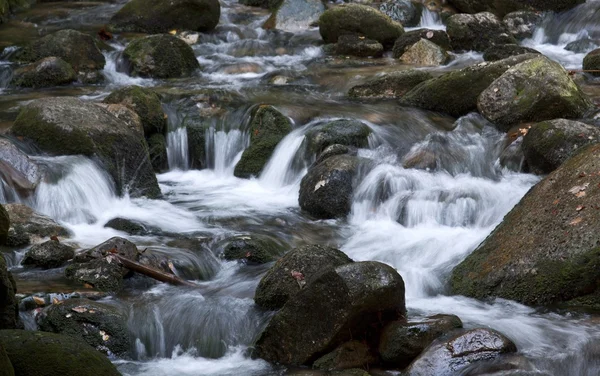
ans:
(360, 20)
(522, 24)
(290, 274)
(326, 189)
(349, 302)
(450, 356)
(349, 355)
(503, 51)
(69, 126)
(28, 226)
(295, 15)
(47, 72)
(353, 45)
(404, 11)
(47, 255)
(160, 56)
(532, 91)
(157, 16)
(77, 49)
(550, 143)
(390, 85)
(456, 92)
(545, 251)
(408, 39)
(341, 132)
(146, 103)
(583, 45)
(100, 325)
(425, 53)
(477, 32)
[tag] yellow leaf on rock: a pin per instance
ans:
(173, 32)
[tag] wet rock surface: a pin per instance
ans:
(47, 255)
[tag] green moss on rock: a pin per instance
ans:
(48, 72)
(146, 103)
(391, 85)
(6, 368)
(591, 61)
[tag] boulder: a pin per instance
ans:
(583, 45)
(295, 15)
(47, 72)
(401, 341)
(502, 7)
(69, 126)
(342, 132)
(403, 11)
(146, 103)
(353, 354)
(157, 148)
(290, 274)
(77, 49)
(126, 115)
(361, 20)
(157, 16)
(100, 325)
(545, 251)
(27, 226)
(49, 354)
(121, 245)
(522, 24)
(255, 249)
(591, 61)
(4, 225)
(504, 51)
(267, 128)
(408, 39)
(550, 143)
(477, 32)
(425, 53)
(326, 189)
(390, 85)
(450, 355)
(354, 45)
(456, 92)
(160, 56)
(9, 307)
(128, 226)
(534, 90)
(17, 170)
(6, 368)
(335, 149)
(351, 301)
(48, 255)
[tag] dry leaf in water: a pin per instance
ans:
(79, 309)
(576, 221)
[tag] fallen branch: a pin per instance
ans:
(151, 272)
(573, 71)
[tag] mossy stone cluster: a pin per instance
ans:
(146, 103)
(267, 128)
(477, 32)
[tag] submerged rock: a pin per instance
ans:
(146, 103)
(341, 132)
(100, 325)
(545, 251)
(360, 20)
(157, 16)
(351, 301)
(47, 72)
(77, 49)
(550, 143)
(534, 90)
(54, 355)
(456, 92)
(160, 56)
(591, 61)
(128, 226)
(408, 39)
(449, 356)
(47, 255)
(326, 189)
(254, 249)
(28, 226)
(425, 53)
(477, 32)
(292, 272)
(70, 126)
(267, 128)
(390, 85)
(504, 51)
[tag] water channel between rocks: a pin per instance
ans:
(423, 223)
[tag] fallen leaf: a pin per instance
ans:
(79, 309)
(576, 221)
(580, 194)
(91, 311)
(297, 275)
(580, 208)
(171, 267)
(88, 286)
(56, 301)
(105, 337)
(39, 301)
(582, 175)
(578, 188)
(173, 32)
(555, 202)
(55, 238)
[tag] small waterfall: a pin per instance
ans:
(226, 148)
(430, 20)
(177, 138)
(288, 163)
(113, 72)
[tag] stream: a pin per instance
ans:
(421, 222)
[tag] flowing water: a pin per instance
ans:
(422, 222)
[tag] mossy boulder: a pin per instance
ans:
(77, 49)
(502, 7)
(6, 368)
(28, 226)
(146, 103)
(522, 24)
(352, 301)
(48, 255)
(503, 51)
(253, 249)
(403, 11)
(390, 85)
(535, 90)
(360, 20)
(545, 251)
(477, 32)
(129, 117)
(267, 128)
(160, 56)
(353, 45)
(293, 271)
(452, 354)
(49, 354)
(9, 307)
(47, 72)
(100, 325)
(157, 147)
(456, 92)
(4, 225)
(591, 61)
(342, 132)
(550, 143)
(425, 53)
(69, 126)
(408, 39)
(402, 341)
(158, 16)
